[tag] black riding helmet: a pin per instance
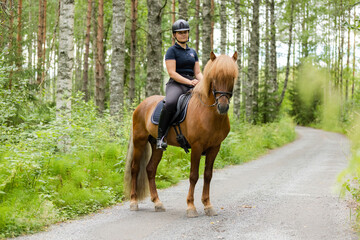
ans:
(180, 25)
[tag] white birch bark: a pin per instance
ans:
(206, 36)
(223, 26)
(237, 87)
(252, 84)
(183, 9)
(66, 58)
(118, 57)
(154, 46)
(65, 69)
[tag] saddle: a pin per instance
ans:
(179, 117)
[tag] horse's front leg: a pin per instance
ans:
(209, 163)
(151, 172)
(194, 176)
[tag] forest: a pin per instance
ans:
(72, 72)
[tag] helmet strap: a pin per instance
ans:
(181, 42)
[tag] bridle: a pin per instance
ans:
(228, 95)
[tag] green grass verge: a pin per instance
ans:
(39, 185)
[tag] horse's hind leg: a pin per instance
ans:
(209, 163)
(139, 146)
(151, 172)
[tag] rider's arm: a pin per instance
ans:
(171, 68)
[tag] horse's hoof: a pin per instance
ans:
(210, 211)
(192, 213)
(159, 207)
(134, 207)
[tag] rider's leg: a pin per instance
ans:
(173, 92)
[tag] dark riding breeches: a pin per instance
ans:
(173, 92)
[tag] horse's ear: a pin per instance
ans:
(212, 56)
(235, 56)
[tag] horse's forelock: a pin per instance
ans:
(222, 68)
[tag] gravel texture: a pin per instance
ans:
(290, 193)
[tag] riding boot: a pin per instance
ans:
(164, 122)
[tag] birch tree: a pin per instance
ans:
(66, 58)
(252, 83)
(237, 87)
(272, 84)
(197, 28)
(289, 53)
(206, 34)
(223, 26)
(154, 46)
(183, 9)
(118, 57)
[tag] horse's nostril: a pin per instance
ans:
(223, 109)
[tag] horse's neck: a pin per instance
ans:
(206, 105)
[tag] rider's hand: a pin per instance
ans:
(194, 82)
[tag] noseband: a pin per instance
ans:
(228, 95)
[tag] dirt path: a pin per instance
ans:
(288, 194)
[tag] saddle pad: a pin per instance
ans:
(181, 110)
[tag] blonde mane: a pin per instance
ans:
(222, 71)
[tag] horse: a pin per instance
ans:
(206, 125)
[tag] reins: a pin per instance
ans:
(222, 94)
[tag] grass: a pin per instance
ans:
(40, 185)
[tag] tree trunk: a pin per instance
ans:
(66, 58)
(252, 84)
(353, 73)
(206, 35)
(18, 38)
(273, 86)
(172, 18)
(118, 58)
(154, 46)
(92, 80)
(267, 63)
(134, 6)
(223, 27)
(341, 51)
(41, 41)
(11, 33)
(85, 88)
(237, 87)
(100, 66)
(288, 55)
(66, 61)
(197, 30)
(212, 25)
(348, 63)
(44, 43)
(183, 9)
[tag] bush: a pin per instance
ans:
(89, 176)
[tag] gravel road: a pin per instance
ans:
(290, 193)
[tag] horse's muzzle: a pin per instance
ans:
(223, 108)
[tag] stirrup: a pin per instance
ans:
(161, 144)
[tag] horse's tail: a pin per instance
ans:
(142, 187)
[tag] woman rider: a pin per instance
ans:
(182, 64)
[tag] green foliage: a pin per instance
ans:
(307, 94)
(89, 176)
(62, 185)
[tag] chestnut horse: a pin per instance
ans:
(205, 127)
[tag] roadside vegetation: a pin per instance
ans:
(40, 185)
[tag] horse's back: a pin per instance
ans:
(143, 112)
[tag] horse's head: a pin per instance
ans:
(221, 73)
